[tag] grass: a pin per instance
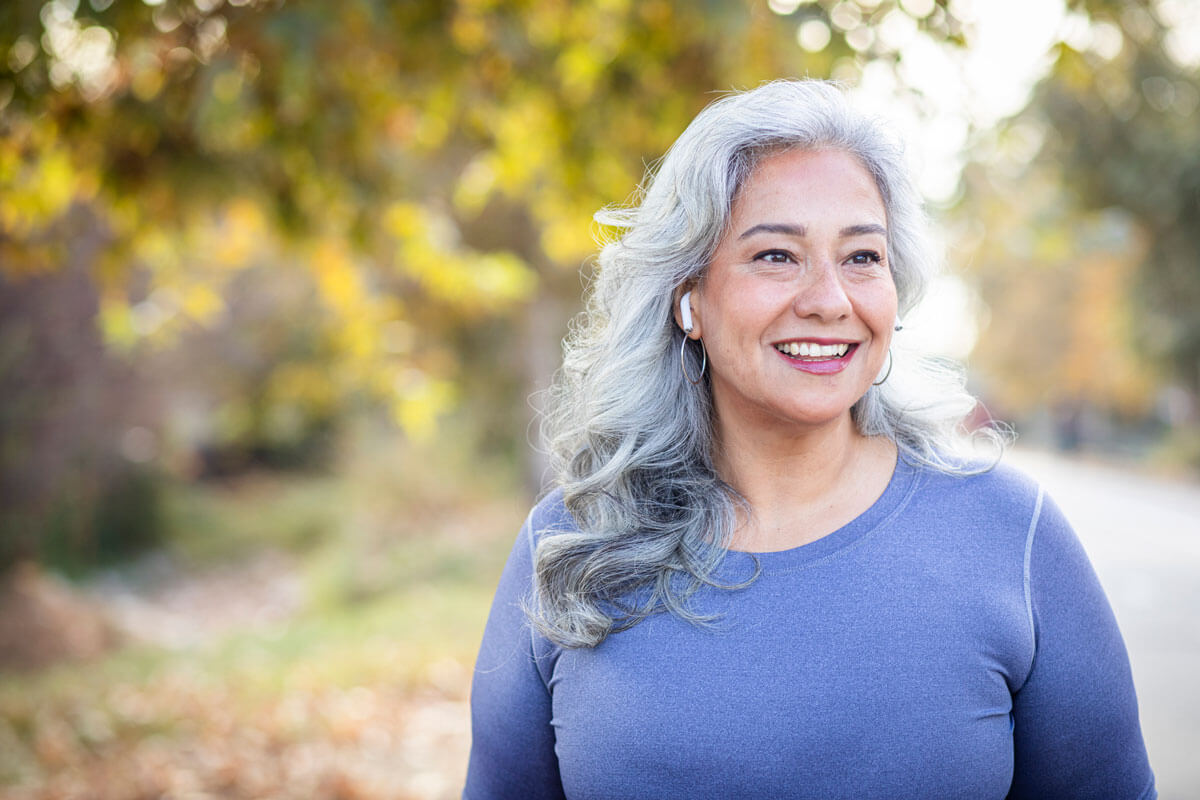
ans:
(361, 693)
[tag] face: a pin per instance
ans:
(798, 305)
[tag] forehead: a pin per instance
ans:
(808, 182)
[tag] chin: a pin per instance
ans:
(816, 417)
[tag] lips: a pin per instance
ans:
(816, 357)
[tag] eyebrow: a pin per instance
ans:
(800, 231)
(863, 230)
(774, 227)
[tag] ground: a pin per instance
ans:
(235, 681)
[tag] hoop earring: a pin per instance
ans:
(683, 361)
(886, 374)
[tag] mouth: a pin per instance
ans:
(815, 351)
(815, 357)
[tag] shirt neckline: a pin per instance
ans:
(739, 564)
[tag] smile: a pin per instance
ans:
(814, 351)
(816, 358)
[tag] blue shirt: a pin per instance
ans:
(951, 642)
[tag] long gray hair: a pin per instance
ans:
(631, 439)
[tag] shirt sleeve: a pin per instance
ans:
(1075, 718)
(512, 741)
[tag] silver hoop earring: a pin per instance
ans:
(889, 370)
(683, 361)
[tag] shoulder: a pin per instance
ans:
(999, 497)
(997, 484)
(548, 516)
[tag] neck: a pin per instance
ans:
(799, 464)
(803, 484)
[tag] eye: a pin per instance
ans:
(865, 258)
(774, 256)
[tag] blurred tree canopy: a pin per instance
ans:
(1123, 132)
(1091, 197)
(228, 225)
(286, 211)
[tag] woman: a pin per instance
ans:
(768, 570)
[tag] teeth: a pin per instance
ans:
(813, 350)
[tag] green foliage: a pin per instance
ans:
(1080, 228)
(291, 213)
(217, 522)
(74, 537)
(125, 520)
(1116, 129)
(429, 163)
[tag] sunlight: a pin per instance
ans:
(938, 95)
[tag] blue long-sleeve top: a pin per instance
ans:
(951, 642)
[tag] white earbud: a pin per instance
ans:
(685, 312)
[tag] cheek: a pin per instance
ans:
(878, 307)
(744, 317)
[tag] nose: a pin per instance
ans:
(822, 295)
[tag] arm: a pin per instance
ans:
(512, 744)
(1076, 731)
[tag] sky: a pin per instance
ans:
(961, 89)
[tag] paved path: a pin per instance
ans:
(1143, 536)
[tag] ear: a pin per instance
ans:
(688, 291)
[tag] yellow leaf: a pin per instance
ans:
(419, 402)
(201, 303)
(116, 323)
(240, 230)
(337, 279)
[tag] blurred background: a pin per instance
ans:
(280, 282)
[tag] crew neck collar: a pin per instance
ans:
(739, 564)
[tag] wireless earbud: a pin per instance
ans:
(685, 312)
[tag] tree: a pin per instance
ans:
(1094, 195)
(366, 202)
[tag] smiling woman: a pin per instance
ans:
(770, 571)
(796, 311)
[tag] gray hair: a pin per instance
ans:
(631, 438)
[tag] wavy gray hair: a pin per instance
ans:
(631, 438)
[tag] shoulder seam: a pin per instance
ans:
(529, 535)
(1033, 523)
(538, 658)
